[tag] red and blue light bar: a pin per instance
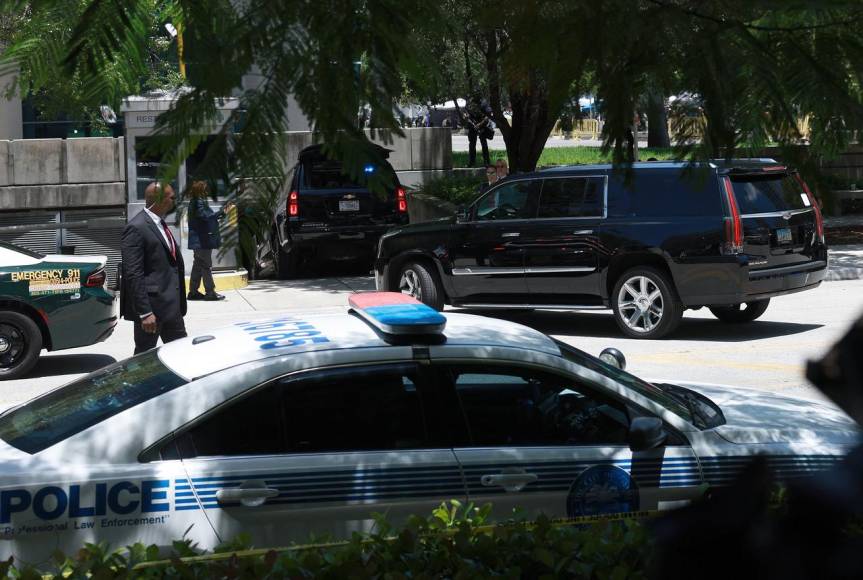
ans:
(396, 313)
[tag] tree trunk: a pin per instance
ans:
(657, 120)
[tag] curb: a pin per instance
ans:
(846, 273)
(230, 280)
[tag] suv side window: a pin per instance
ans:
(518, 406)
(515, 200)
(371, 408)
(571, 197)
(665, 193)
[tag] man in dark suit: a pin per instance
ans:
(153, 292)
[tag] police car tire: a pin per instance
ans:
(672, 308)
(430, 289)
(32, 344)
(738, 315)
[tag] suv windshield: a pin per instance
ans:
(63, 412)
(768, 193)
(652, 392)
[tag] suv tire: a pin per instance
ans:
(736, 315)
(285, 264)
(418, 281)
(20, 344)
(645, 303)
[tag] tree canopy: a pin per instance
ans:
(752, 69)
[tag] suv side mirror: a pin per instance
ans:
(646, 433)
(462, 214)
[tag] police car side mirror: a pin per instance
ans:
(613, 357)
(646, 433)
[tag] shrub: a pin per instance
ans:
(454, 543)
(457, 189)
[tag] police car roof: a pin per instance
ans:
(260, 339)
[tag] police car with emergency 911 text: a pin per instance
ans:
(307, 424)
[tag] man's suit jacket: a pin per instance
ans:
(151, 281)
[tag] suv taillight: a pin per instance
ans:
(96, 279)
(819, 219)
(401, 200)
(733, 224)
(294, 204)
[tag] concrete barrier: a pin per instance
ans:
(94, 159)
(425, 208)
(5, 166)
(37, 161)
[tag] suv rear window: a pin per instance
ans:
(768, 194)
(325, 174)
(66, 411)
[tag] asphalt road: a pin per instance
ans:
(767, 354)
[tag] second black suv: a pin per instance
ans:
(326, 215)
(648, 243)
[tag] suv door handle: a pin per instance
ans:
(510, 235)
(514, 481)
(247, 496)
(582, 232)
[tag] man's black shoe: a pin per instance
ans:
(195, 296)
(213, 297)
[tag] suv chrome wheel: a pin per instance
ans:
(640, 304)
(409, 283)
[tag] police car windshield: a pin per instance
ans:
(641, 387)
(63, 412)
(20, 250)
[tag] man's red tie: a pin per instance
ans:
(171, 244)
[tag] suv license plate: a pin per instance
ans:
(783, 235)
(354, 205)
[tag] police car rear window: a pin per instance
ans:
(63, 412)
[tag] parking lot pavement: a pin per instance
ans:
(768, 354)
(846, 262)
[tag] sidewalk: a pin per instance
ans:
(846, 263)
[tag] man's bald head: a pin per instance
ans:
(159, 198)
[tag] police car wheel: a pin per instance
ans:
(740, 313)
(418, 281)
(645, 303)
(20, 344)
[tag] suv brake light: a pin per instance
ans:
(401, 200)
(96, 279)
(294, 204)
(733, 224)
(819, 219)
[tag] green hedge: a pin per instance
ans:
(457, 189)
(453, 542)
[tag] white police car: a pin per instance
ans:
(297, 425)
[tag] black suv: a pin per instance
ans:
(647, 243)
(325, 215)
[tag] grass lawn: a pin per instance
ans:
(567, 155)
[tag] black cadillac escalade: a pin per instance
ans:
(648, 243)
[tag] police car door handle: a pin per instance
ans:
(509, 481)
(249, 497)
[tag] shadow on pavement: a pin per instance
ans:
(65, 364)
(332, 277)
(602, 325)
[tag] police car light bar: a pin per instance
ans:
(397, 314)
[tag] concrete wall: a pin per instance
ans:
(62, 173)
(11, 120)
